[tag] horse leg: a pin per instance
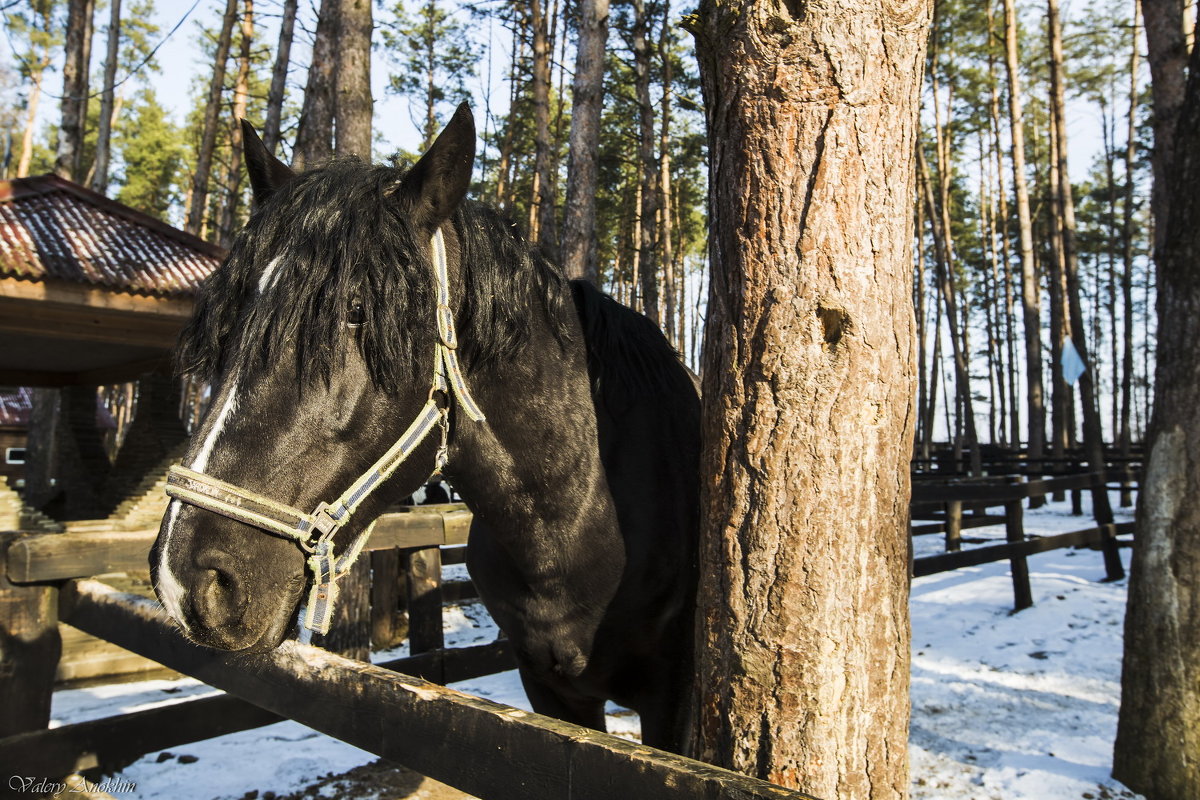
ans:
(562, 703)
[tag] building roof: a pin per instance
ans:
(53, 229)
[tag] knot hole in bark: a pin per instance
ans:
(794, 9)
(834, 322)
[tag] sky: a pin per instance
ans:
(181, 62)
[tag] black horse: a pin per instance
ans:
(319, 335)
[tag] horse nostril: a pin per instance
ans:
(219, 600)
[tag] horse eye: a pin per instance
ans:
(357, 315)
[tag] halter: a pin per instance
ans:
(314, 531)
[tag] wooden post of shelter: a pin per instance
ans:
(29, 649)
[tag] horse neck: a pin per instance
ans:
(533, 468)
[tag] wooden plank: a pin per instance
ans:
(29, 649)
(954, 518)
(1014, 532)
(459, 591)
(350, 630)
(969, 521)
(58, 556)
(975, 556)
(387, 584)
(407, 529)
(115, 742)
(484, 748)
(423, 588)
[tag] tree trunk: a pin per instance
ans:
(233, 178)
(1166, 47)
(1030, 296)
(808, 386)
(945, 271)
(1158, 733)
(353, 80)
(1093, 429)
(99, 179)
(647, 169)
(283, 57)
(37, 76)
(314, 133)
(545, 229)
(212, 110)
(665, 250)
(579, 214)
(1125, 437)
(76, 67)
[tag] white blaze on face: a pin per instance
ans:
(170, 590)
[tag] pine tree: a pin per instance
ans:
(435, 57)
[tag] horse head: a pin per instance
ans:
(320, 337)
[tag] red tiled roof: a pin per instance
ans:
(15, 405)
(51, 228)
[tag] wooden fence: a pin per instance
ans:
(1012, 494)
(398, 710)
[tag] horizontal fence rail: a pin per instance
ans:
(490, 750)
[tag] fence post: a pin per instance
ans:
(1077, 502)
(29, 650)
(423, 570)
(1114, 570)
(387, 584)
(1014, 533)
(1126, 486)
(953, 526)
(350, 633)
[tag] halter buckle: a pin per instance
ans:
(325, 521)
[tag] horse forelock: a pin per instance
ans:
(338, 236)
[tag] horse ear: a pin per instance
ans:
(439, 181)
(267, 173)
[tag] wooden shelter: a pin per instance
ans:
(92, 293)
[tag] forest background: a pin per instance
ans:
(969, 253)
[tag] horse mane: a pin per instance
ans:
(337, 236)
(628, 356)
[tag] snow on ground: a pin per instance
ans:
(1005, 706)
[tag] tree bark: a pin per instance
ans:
(314, 134)
(99, 180)
(1166, 48)
(37, 77)
(1030, 295)
(1125, 437)
(212, 110)
(355, 108)
(283, 57)
(808, 386)
(647, 169)
(665, 249)
(1158, 732)
(233, 178)
(587, 101)
(76, 67)
(1093, 429)
(545, 229)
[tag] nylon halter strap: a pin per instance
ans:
(314, 531)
